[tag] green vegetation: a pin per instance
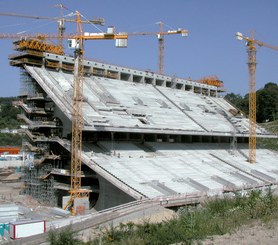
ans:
(215, 217)
(267, 102)
(267, 110)
(271, 126)
(8, 113)
(271, 144)
(8, 120)
(66, 236)
(238, 101)
(10, 140)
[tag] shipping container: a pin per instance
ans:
(19, 229)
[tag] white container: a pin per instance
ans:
(121, 43)
(19, 229)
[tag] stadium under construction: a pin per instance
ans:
(145, 135)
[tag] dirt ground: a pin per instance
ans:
(10, 191)
(254, 234)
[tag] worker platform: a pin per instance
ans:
(145, 135)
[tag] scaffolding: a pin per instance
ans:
(39, 187)
(27, 85)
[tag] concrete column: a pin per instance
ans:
(186, 139)
(110, 196)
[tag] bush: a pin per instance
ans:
(64, 237)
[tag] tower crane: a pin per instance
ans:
(251, 50)
(37, 42)
(77, 116)
(160, 35)
(60, 22)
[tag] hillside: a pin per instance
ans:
(271, 126)
(8, 120)
(269, 143)
(8, 113)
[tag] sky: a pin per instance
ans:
(210, 48)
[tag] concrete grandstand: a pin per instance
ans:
(145, 135)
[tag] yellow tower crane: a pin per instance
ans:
(160, 35)
(251, 50)
(77, 99)
(37, 43)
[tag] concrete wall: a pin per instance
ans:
(110, 196)
(66, 122)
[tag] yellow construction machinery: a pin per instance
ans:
(211, 80)
(251, 50)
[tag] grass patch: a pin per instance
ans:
(271, 144)
(271, 126)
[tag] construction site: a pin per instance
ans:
(101, 135)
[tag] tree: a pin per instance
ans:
(8, 113)
(238, 101)
(267, 103)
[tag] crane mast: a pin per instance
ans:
(161, 49)
(251, 50)
(77, 119)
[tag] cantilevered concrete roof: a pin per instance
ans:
(116, 105)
